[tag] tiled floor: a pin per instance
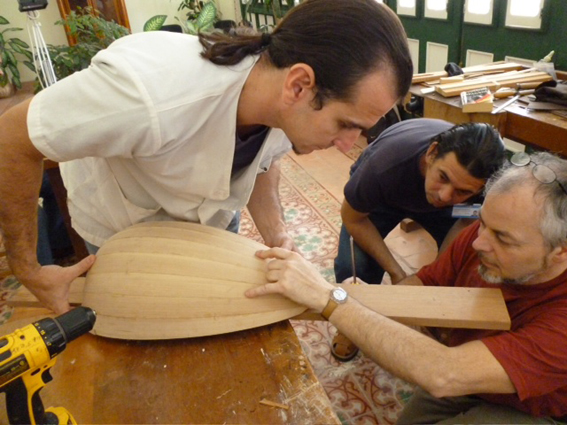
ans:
(360, 391)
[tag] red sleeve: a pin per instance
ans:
(534, 356)
(445, 270)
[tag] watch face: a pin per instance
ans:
(339, 294)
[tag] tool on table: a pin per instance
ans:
(478, 100)
(27, 354)
(354, 281)
(522, 89)
(507, 103)
(507, 93)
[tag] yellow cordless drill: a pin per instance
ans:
(27, 355)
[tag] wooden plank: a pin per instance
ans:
(471, 308)
(511, 79)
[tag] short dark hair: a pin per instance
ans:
(342, 40)
(477, 146)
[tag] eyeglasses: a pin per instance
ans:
(542, 173)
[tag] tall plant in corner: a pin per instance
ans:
(10, 49)
(91, 33)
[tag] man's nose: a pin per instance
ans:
(481, 242)
(446, 193)
(347, 141)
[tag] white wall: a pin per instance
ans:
(53, 34)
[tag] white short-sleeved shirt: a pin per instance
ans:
(147, 132)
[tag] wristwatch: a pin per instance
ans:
(336, 297)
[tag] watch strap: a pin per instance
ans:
(329, 308)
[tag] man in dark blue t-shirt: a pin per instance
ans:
(416, 169)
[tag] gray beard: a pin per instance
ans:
(498, 280)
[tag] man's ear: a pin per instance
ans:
(431, 153)
(299, 82)
(560, 254)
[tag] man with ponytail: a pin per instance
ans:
(166, 126)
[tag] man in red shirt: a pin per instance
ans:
(473, 376)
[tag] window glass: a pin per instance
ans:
(406, 7)
(479, 11)
(526, 8)
(436, 9)
(524, 13)
(479, 7)
(440, 5)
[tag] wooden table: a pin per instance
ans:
(543, 130)
(212, 380)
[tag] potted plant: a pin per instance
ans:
(201, 17)
(90, 33)
(10, 49)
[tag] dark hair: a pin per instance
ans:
(477, 146)
(342, 40)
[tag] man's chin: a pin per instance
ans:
(488, 275)
(436, 203)
(301, 151)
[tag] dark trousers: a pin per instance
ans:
(385, 219)
(423, 408)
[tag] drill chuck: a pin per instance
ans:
(63, 329)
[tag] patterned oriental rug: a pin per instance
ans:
(360, 391)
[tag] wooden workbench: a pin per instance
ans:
(212, 380)
(539, 129)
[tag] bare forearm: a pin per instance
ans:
(21, 168)
(419, 359)
(266, 211)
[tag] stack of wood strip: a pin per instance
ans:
(493, 82)
(492, 76)
(469, 71)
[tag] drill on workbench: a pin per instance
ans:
(27, 355)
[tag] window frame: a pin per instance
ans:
(521, 23)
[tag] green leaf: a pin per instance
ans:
(207, 16)
(191, 28)
(17, 82)
(28, 54)
(19, 42)
(67, 62)
(30, 65)
(155, 23)
(14, 70)
(10, 58)
(3, 21)
(16, 48)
